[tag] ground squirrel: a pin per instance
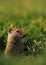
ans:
(14, 44)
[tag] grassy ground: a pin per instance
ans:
(30, 15)
(24, 60)
(35, 26)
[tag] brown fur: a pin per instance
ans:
(14, 44)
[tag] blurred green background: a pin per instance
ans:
(23, 7)
(30, 15)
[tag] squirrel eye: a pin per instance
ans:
(17, 31)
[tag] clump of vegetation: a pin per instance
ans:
(35, 41)
(35, 26)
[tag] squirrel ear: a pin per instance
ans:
(10, 30)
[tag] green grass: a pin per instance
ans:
(35, 26)
(24, 60)
(22, 7)
(30, 15)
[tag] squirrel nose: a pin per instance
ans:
(24, 35)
